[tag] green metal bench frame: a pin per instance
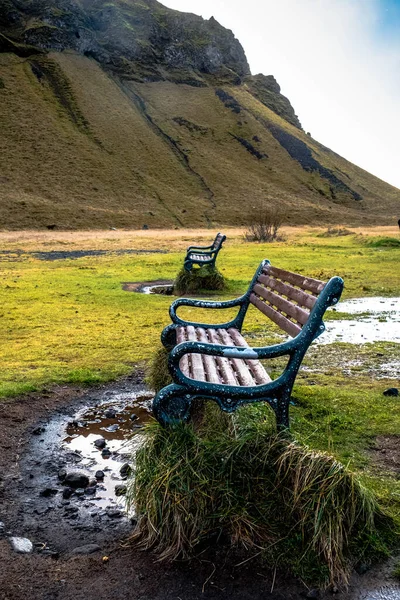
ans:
(173, 402)
(208, 253)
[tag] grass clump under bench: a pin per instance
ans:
(199, 279)
(233, 477)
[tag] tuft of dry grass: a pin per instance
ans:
(236, 478)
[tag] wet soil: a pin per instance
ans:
(116, 570)
(11, 255)
(386, 454)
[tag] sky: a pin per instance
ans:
(338, 62)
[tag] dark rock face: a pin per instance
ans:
(117, 34)
(267, 90)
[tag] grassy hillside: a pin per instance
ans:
(157, 123)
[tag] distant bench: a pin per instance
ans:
(204, 255)
(215, 361)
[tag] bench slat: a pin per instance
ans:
(306, 283)
(210, 365)
(259, 373)
(184, 362)
(241, 369)
(198, 372)
(282, 304)
(299, 296)
(284, 323)
(224, 365)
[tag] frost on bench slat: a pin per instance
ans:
(210, 364)
(227, 372)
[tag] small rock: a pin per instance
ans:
(314, 593)
(106, 453)
(62, 473)
(87, 549)
(71, 509)
(114, 514)
(51, 553)
(133, 417)
(2, 529)
(93, 483)
(90, 491)
(110, 413)
(48, 492)
(76, 480)
(125, 470)
(21, 545)
(112, 428)
(362, 568)
(99, 475)
(391, 392)
(120, 490)
(38, 430)
(67, 493)
(80, 492)
(100, 443)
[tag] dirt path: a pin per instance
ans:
(127, 573)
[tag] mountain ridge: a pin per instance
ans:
(127, 113)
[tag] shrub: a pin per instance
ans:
(199, 279)
(264, 225)
(234, 477)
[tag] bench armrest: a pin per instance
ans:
(191, 248)
(242, 301)
(245, 353)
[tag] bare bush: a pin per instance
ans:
(265, 224)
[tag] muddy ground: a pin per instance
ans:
(127, 573)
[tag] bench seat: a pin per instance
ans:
(214, 361)
(217, 369)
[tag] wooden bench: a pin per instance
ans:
(216, 362)
(204, 255)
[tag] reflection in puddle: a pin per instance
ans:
(378, 321)
(118, 422)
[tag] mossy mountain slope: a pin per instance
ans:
(129, 114)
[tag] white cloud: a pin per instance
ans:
(340, 72)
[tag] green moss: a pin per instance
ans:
(383, 242)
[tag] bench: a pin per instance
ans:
(204, 255)
(215, 361)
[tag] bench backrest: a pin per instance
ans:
(286, 298)
(219, 240)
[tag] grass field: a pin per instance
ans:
(69, 321)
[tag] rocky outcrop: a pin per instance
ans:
(267, 90)
(140, 38)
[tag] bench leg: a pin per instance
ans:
(188, 265)
(282, 412)
(172, 405)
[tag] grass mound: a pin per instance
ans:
(384, 242)
(198, 279)
(335, 232)
(158, 375)
(235, 478)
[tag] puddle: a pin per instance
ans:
(164, 287)
(378, 321)
(63, 444)
(119, 426)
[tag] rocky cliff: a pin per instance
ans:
(127, 113)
